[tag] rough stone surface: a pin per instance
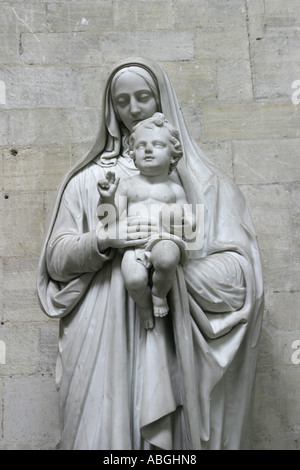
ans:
(30, 411)
(233, 65)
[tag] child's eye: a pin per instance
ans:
(159, 145)
(141, 145)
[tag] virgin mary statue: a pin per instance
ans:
(188, 382)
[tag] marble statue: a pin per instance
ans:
(155, 149)
(187, 381)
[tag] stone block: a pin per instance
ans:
(20, 302)
(234, 83)
(138, 15)
(275, 62)
(161, 46)
(1, 410)
(194, 81)
(189, 14)
(273, 18)
(218, 44)
(23, 230)
(250, 120)
(1, 289)
(90, 86)
(34, 168)
(44, 126)
(3, 127)
(60, 48)
(255, 17)
(282, 311)
(209, 14)
(290, 407)
(266, 409)
(34, 445)
(282, 18)
(294, 190)
(22, 17)
(275, 263)
(34, 400)
(52, 126)
(73, 17)
(10, 49)
(273, 431)
(22, 348)
(266, 161)
(84, 124)
(269, 208)
(39, 87)
(215, 24)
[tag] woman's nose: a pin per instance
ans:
(134, 107)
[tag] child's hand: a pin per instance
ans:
(107, 188)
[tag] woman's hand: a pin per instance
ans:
(124, 233)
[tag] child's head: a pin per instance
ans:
(158, 121)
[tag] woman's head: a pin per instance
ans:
(135, 95)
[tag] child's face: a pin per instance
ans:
(152, 151)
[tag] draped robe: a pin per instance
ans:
(188, 383)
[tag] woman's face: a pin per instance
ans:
(133, 99)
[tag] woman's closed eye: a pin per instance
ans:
(122, 100)
(144, 96)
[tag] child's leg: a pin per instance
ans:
(165, 256)
(135, 276)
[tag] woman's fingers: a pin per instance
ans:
(136, 242)
(138, 223)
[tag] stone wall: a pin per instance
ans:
(233, 64)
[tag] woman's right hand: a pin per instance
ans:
(124, 233)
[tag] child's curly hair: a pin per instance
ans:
(158, 120)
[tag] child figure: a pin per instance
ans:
(156, 150)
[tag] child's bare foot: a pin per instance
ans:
(160, 306)
(146, 317)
